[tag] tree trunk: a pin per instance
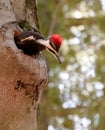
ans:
(22, 77)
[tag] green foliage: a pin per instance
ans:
(25, 25)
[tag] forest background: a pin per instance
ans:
(75, 96)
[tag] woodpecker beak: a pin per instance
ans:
(49, 48)
(54, 53)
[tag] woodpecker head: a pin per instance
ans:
(56, 40)
(54, 45)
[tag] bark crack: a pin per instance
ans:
(31, 90)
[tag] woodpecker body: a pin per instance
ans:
(33, 42)
(27, 41)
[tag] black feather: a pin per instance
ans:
(27, 41)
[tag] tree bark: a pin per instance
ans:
(22, 77)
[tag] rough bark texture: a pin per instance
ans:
(22, 77)
(25, 12)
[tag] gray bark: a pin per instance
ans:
(22, 77)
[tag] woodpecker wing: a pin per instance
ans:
(27, 34)
(28, 42)
(28, 38)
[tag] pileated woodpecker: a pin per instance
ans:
(33, 42)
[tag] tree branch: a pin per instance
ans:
(55, 14)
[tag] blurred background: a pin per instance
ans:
(75, 96)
